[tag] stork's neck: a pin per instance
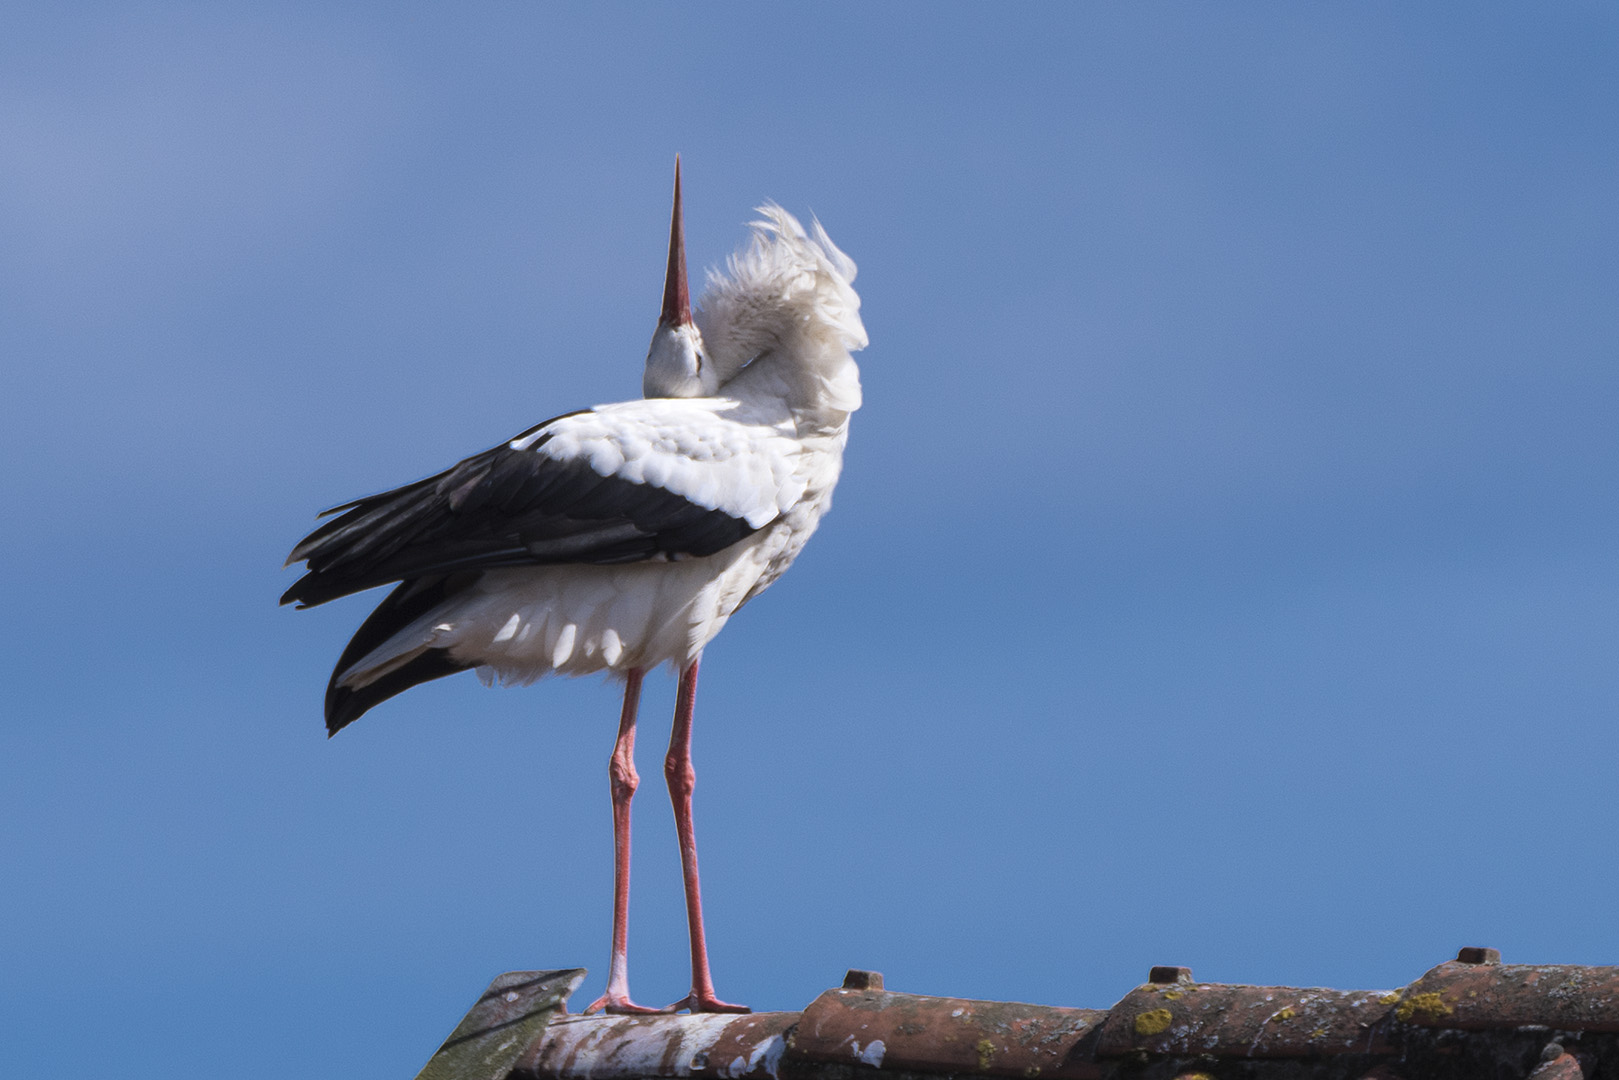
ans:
(780, 323)
(818, 387)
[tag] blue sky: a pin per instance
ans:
(1224, 572)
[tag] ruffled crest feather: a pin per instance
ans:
(787, 290)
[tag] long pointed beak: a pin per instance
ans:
(676, 293)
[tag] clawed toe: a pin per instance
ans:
(706, 1003)
(621, 1005)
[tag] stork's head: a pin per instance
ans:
(677, 365)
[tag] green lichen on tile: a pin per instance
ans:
(1430, 1006)
(1154, 1021)
(986, 1053)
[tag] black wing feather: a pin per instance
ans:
(503, 507)
(402, 607)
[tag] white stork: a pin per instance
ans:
(618, 538)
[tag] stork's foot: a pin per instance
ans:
(706, 1003)
(621, 1005)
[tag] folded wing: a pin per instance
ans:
(531, 501)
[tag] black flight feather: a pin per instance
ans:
(408, 602)
(503, 507)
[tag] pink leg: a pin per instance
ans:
(624, 780)
(682, 779)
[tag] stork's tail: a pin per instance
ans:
(350, 694)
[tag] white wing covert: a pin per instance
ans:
(709, 451)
